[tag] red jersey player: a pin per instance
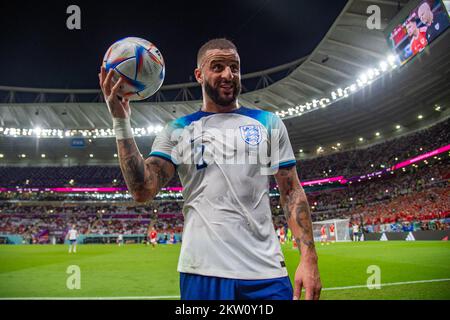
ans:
(332, 237)
(323, 234)
(282, 235)
(152, 236)
(418, 39)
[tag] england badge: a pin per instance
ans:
(251, 134)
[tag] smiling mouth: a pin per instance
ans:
(227, 87)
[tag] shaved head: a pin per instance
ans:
(220, 43)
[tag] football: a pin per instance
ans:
(139, 63)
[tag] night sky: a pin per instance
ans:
(37, 49)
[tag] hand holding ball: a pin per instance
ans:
(139, 64)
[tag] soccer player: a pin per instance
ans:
(355, 232)
(72, 235)
(332, 236)
(153, 235)
(323, 235)
(224, 154)
(120, 240)
(418, 38)
(282, 235)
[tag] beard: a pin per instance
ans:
(214, 93)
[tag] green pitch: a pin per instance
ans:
(140, 271)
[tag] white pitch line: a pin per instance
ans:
(178, 297)
(386, 284)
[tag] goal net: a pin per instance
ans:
(341, 230)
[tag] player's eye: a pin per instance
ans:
(234, 68)
(217, 67)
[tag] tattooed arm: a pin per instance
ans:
(296, 209)
(144, 178)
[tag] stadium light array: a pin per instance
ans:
(363, 80)
(71, 133)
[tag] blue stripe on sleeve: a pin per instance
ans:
(286, 164)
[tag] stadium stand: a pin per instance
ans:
(414, 198)
(347, 163)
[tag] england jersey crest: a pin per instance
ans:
(251, 134)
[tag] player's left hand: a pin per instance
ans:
(307, 276)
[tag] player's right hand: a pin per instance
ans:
(119, 108)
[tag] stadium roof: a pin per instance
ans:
(347, 50)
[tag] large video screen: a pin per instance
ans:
(420, 28)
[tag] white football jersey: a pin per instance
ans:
(73, 234)
(224, 161)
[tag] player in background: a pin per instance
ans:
(172, 237)
(355, 228)
(323, 235)
(120, 240)
(72, 235)
(332, 235)
(282, 235)
(418, 38)
(153, 235)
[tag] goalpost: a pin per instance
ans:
(341, 230)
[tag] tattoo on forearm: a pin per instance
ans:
(140, 175)
(155, 166)
(295, 205)
(131, 164)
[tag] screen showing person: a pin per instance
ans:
(417, 36)
(419, 29)
(434, 21)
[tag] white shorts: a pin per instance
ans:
(331, 234)
(152, 240)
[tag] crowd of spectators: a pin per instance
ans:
(37, 229)
(346, 163)
(414, 198)
(386, 154)
(418, 198)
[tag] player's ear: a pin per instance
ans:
(198, 75)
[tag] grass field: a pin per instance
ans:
(139, 271)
